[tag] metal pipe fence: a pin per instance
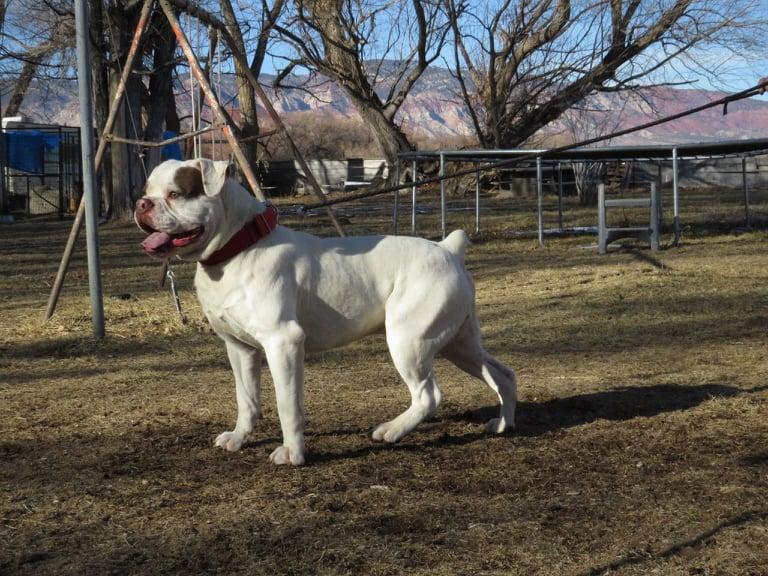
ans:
(697, 172)
(540, 198)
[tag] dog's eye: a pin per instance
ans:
(173, 194)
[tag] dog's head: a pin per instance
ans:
(182, 208)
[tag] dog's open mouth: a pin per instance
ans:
(162, 243)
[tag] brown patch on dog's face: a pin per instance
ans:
(189, 182)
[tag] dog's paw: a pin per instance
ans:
(284, 455)
(497, 426)
(230, 441)
(387, 432)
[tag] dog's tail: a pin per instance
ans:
(456, 243)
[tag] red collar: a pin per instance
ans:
(246, 237)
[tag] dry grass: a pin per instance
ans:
(642, 441)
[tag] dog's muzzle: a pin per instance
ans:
(160, 244)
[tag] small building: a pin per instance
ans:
(283, 177)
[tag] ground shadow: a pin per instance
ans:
(539, 418)
(700, 539)
(624, 403)
(756, 459)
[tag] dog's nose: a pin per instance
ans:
(144, 205)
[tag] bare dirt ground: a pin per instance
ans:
(641, 446)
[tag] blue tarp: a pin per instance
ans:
(25, 149)
(51, 141)
(170, 151)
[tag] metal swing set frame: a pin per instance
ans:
(221, 121)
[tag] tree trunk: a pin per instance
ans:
(586, 177)
(127, 172)
(249, 123)
(160, 84)
(20, 89)
(100, 81)
(172, 120)
(388, 137)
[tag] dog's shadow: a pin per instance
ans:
(539, 418)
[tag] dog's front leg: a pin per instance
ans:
(285, 355)
(246, 366)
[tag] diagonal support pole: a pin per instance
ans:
(215, 106)
(314, 184)
(195, 10)
(213, 102)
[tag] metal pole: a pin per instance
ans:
(675, 197)
(3, 187)
(477, 197)
(661, 196)
(193, 92)
(108, 125)
(396, 210)
(413, 197)
(745, 186)
(442, 194)
(540, 197)
(602, 228)
(214, 139)
(655, 228)
(560, 196)
(86, 144)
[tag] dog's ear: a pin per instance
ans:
(214, 174)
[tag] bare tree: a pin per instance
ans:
(35, 41)
(235, 29)
(249, 123)
(587, 120)
(56, 38)
(521, 64)
(375, 50)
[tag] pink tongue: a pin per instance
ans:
(157, 242)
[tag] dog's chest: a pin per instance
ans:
(227, 309)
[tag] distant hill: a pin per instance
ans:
(434, 110)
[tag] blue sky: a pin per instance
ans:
(726, 71)
(731, 73)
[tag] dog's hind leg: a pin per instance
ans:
(467, 353)
(413, 360)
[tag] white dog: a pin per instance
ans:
(266, 287)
